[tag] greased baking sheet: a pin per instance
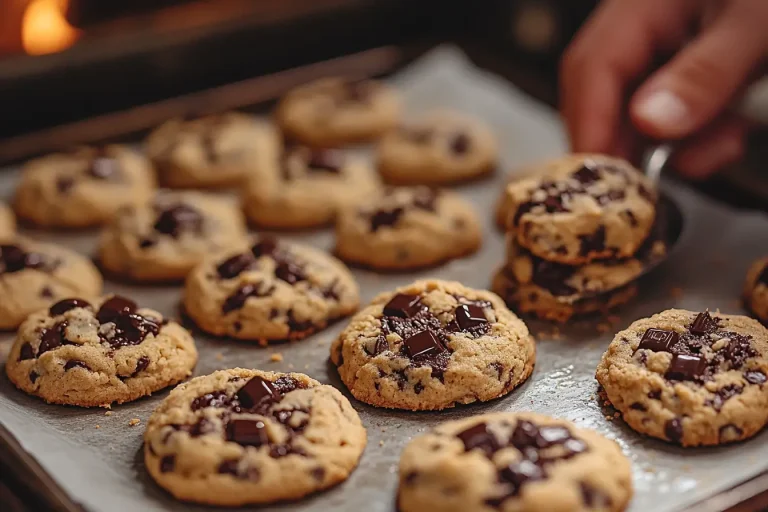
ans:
(97, 459)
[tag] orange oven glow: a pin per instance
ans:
(45, 29)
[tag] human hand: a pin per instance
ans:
(611, 97)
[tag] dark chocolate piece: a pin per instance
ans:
(247, 432)
(703, 324)
(469, 316)
(65, 305)
(423, 345)
(686, 367)
(235, 265)
(481, 438)
(658, 340)
(403, 306)
(257, 393)
(114, 308)
(179, 218)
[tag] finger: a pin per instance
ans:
(703, 78)
(721, 144)
(605, 58)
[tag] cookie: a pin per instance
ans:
(756, 290)
(210, 152)
(524, 462)
(94, 354)
(163, 239)
(247, 436)
(7, 222)
(589, 207)
(431, 345)
(540, 297)
(441, 148)
(83, 188)
(337, 111)
(34, 275)
(269, 290)
(689, 378)
(298, 187)
(407, 228)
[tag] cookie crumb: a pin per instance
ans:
(134, 421)
(276, 357)
(381, 443)
(98, 426)
(219, 356)
(108, 413)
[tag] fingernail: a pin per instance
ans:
(664, 110)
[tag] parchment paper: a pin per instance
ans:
(97, 459)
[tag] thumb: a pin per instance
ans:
(702, 79)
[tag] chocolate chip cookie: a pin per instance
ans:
(407, 228)
(298, 187)
(93, 354)
(34, 275)
(524, 462)
(7, 222)
(432, 345)
(269, 290)
(213, 151)
(590, 207)
(83, 188)
(247, 436)
(689, 378)
(540, 297)
(756, 290)
(337, 111)
(163, 239)
(441, 148)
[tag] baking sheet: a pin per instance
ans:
(97, 459)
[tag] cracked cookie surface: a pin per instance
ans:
(162, 240)
(524, 462)
(96, 353)
(431, 345)
(407, 228)
(689, 378)
(247, 436)
(269, 290)
(82, 188)
(586, 208)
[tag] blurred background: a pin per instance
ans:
(74, 71)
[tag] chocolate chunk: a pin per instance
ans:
(325, 160)
(141, 365)
(266, 246)
(26, 352)
(75, 363)
(403, 306)
(460, 143)
(290, 272)
(179, 218)
(104, 168)
(755, 377)
(52, 338)
(14, 259)
(703, 324)
(46, 292)
(212, 399)
(610, 197)
(167, 463)
(237, 300)
(646, 194)
(146, 243)
(552, 435)
(658, 340)
(383, 218)
(258, 393)
(673, 429)
(553, 276)
(469, 317)
(587, 173)
(593, 243)
(498, 368)
(481, 438)
(229, 467)
(235, 265)
(763, 277)
(730, 432)
(247, 432)
(722, 395)
(115, 307)
(593, 498)
(519, 473)
(285, 384)
(685, 367)
(64, 184)
(296, 325)
(655, 394)
(65, 305)
(638, 406)
(131, 329)
(631, 218)
(33, 376)
(423, 345)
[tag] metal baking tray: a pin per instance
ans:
(96, 460)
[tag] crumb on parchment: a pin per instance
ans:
(108, 413)
(276, 357)
(134, 421)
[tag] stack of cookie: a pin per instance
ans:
(579, 231)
